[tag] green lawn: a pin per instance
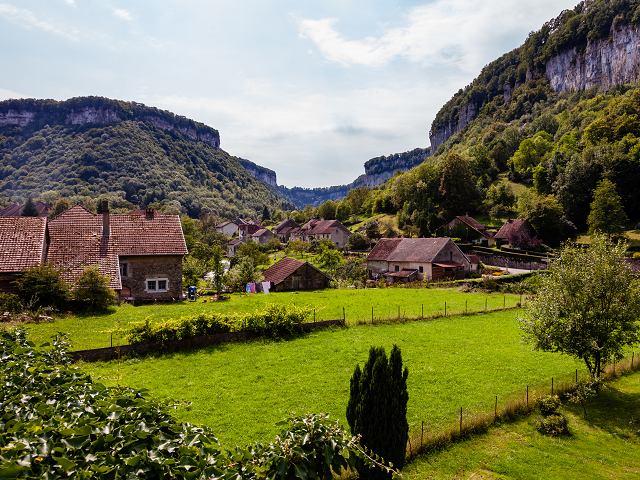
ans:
(92, 331)
(241, 390)
(607, 445)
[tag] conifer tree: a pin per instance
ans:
(30, 209)
(377, 409)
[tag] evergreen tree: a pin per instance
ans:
(265, 214)
(607, 214)
(377, 409)
(30, 209)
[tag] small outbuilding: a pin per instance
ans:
(291, 274)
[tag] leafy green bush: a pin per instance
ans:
(548, 405)
(10, 303)
(43, 286)
(553, 425)
(274, 320)
(92, 291)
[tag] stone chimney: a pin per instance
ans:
(106, 229)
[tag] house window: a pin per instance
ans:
(421, 269)
(157, 285)
(396, 268)
(124, 270)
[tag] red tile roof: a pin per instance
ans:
(280, 270)
(22, 242)
(420, 250)
(473, 258)
(285, 226)
(15, 210)
(319, 227)
(77, 240)
(512, 226)
(472, 222)
(404, 273)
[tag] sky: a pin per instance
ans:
(311, 90)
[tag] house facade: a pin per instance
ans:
(513, 228)
(227, 228)
(323, 229)
(431, 259)
(285, 229)
(291, 274)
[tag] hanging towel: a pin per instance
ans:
(265, 287)
(258, 288)
(248, 288)
(253, 287)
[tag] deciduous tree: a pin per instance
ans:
(587, 307)
(607, 214)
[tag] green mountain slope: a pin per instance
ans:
(131, 153)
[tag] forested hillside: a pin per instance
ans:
(136, 156)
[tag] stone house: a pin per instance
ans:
(468, 229)
(23, 244)
(285, 229)
(232, 246)
(432, 259)
(323, 229)
(227, 228)
(262, 236)
(512, 228)
(291, 274)
(141, 253)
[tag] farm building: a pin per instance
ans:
(292, 274)
(512, 229)
(468, 229)
(408, 259)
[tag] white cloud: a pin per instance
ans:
(446, 32)
(123, 14)
(69, 2)
(26, 19)
(7, 94)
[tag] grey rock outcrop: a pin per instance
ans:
(437, 138)
(263, 174)
(605, 63)
(12, 117)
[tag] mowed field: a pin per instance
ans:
(94, 331)
(241, 390)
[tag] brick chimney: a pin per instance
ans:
(106, 229)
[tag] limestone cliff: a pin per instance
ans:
(263, 174)
(83, 110)
(605, 63)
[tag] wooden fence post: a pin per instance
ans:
(371, 315)
(527, 396)
(465, 306)
(422, 314)
(504, 302)
(551, 385)
(495, 417)
(460, 421)
(445, 309)
(485, 304)
(421, 434)
(344, 316)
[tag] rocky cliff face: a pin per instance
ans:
(437, 138)
(263, 174)
(605, 62)
(82, 115)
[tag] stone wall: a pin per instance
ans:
(506, 260)
(142, 268)
(114, 353)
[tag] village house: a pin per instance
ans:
(285, 229)
(262, 236)
(468, 229)
(291, 274)
(514, 228)
(140, 253)
(245, 230)
(323, 229)
(23, 244)
(227, 228)
(232, 246)
(408, 259)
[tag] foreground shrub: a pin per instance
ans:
(551, 422)
(57, 423)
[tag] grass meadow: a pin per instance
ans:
(606, 445)
(241, 390)
(93, 331)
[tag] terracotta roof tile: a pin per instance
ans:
(22, 242)
(280, 270)
(511, 227)
(422, 250)
(285, 226)
(473, 258)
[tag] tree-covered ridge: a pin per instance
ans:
(134, 163)
(52, 112)
(408, 160)
(590, 20)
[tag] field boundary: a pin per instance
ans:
(113, 353)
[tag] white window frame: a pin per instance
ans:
(156, 283)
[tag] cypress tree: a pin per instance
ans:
(377, 409)
(30, 209)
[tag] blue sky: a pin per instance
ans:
(311, 90)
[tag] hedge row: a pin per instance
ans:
(274, 320)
